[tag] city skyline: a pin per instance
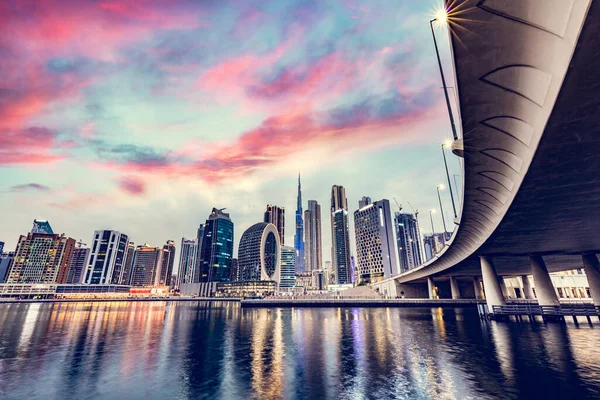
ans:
(88, 162)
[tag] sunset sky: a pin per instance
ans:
(140, 116)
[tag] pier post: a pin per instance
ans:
(431, 288)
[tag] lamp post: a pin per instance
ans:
(444, 146)
(431, 212)
(442, 17)
(441, 187)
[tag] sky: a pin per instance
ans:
(143, 116)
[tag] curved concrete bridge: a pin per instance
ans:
(528, 83)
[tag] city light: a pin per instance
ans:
(441, 186)
(441, 15)
(447, 143)
(432, 211)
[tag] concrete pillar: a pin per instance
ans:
(478, 290)
(503, 287)
(591, 267)
(454, 288)
(431, 288)
(493, 292)
(543, 284)
(527, 290)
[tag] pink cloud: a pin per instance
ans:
(132, 185)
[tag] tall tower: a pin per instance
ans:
(313, 252)
(107, 258)
(299, 236)
(340, 236)
(276, 216)
(216, 252)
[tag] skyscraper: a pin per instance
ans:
(259, 254)
(187, 260)
(5, 264)
(78, 263)
(127, 268)
(217, 247)
(196, 274)
(105, 264)
(313, 251)
(375, 247)
(166, 266)
(287, 278)
(365, 201)
(146, 262)
(408, 241)
(340, 235)
(276, 216)
(41, 258)
(433, 244)
(299, 236)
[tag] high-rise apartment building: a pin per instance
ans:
(340, 235)
(287, 276)
(146, 264)
(259, 253)
(313, 250)
(1, 247)
(235, 270)
(299, 236)
(217, 248)
(408, 241)
(276, 215)
(127, 268)
(375, 247)
(166, 267)
(187, 260)
(78, 264)
(41, 258)
(107, 258)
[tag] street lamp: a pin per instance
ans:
(431, 212)
(442, 187)
(441, 16)
(446, 145)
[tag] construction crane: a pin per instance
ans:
(397, 204)
(416, 212)
(80, 244)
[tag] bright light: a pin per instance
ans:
(441, 186)
(432, 211)
(447, 143)
(441, 16)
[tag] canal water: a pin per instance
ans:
(187, 350)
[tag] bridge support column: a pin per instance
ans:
(454, 288)
(478, 291)
(592, 271)
(491, 283)
(543, 284)
(431, 288)
(503, 287)
(527, 290)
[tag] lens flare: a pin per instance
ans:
(441, 15)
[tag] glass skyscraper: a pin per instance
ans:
(106, 262)
(287, 279)
(217, 248)
(408, 241)
(299, 236)
(313, 252)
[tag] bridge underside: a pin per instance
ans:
(556, 210)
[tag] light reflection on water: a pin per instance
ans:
(200, 350)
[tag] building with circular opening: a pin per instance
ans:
(259, 253)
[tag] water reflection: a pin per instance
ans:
(218, 350)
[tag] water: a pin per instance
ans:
(155, 350)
